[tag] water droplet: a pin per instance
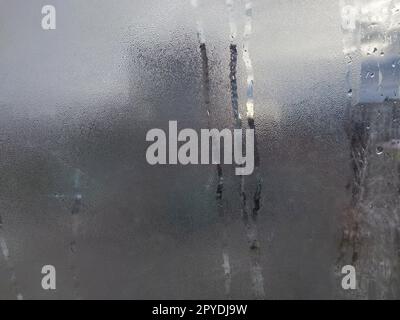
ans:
(379, 150)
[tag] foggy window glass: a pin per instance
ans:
(199, 149)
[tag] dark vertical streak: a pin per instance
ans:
(233, 83)
(206, 79)
(220, 178)
(75, 210)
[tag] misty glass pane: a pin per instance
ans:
(318, 81)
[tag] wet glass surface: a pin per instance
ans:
(76, 191)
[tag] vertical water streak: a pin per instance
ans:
(10, 267)
(233, 66)
(251, 222)
(220, 179)
(199, 23)
(233, 86)
(75, 210)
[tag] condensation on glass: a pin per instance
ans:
(317, 80)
